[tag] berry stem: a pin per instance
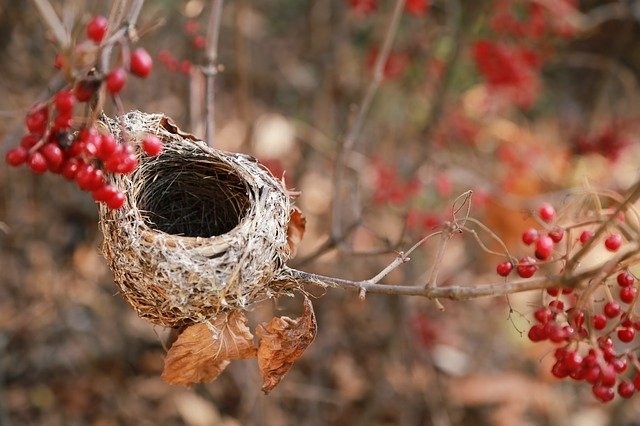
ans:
(633, 196)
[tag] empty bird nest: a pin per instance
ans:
(201, 230)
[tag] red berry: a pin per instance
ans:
(36, 120)
(613, 242)
(537, 333)
(62, 122)
(121, 161)
(628, 294)
(585, 236)
(626, 334)
(625, 279)
(543, 315)
(16, 156)
(152, 145)
(526, 267)
(37, 163)
(530, 236)
(64, 101)
(599, 321)
(417, 7)
(592, 374)
(546, 212)
(556, 305)
(76, 149)
(140, 62)
(544, 247)
(29, 140)
(611, 309)
(108, 145)
(116, 80)
(603, 393)
(70, 168)
(97, 28)
(84, 90)
(556, 234)
(556, 333)
(553, 291)
(626, 389)
(619, 365)
(559, 370)
(54, 156)
(504, 268)
(89, 178)
(116, 201)
(199, 42)
(608, 375)
(104, 193)
(572, 360)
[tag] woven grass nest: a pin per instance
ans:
(201, 230)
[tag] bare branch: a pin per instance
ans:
(210, 69)
(454, 292)
(53, 22)
(356, 126)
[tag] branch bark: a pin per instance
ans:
(210, 69)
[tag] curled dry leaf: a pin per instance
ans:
(202, 351)
(168, 124)
(295, 230)
(283, 340)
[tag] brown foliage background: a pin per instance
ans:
(71, 352)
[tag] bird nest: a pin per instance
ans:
(201, 230)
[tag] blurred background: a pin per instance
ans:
(519, 101)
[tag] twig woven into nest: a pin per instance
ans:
(201, 230)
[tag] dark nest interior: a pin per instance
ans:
(191, 196)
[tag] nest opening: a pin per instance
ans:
(192, 198)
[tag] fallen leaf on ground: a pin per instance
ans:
(283, 341)
(202, 351)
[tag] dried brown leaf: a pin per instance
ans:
(171, 127)
(202, 351)
(295, 230)
(282, 342)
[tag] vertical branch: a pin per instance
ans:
(358, 122)
(134, 12)
(53, 22)
(210, 69)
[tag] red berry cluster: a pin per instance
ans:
(512, 58)
(183, 66)
(596, 343)
(413, 7)
(543, 242)
(63, 143)
(389, 187)
(594, 327)
(81, 155)
(138, 63)
(609, 141)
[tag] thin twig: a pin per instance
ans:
(210, 69)
(356, 126)
(53, 22)
(634, 195)
(454, 292)
(134, 12)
